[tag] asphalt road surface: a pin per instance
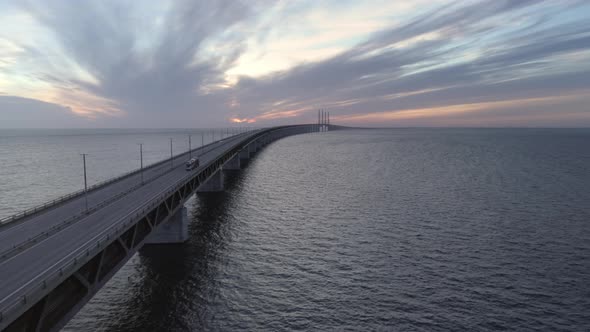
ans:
(22, 265)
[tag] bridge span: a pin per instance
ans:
(54, 258)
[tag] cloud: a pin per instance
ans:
(20, 112)
(129, 72)
(385, 74)
(166, 64)
(514, 112)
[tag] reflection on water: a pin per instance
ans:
(162, 280)
(406, 229)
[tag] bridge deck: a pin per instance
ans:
(21, 268)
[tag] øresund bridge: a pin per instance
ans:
(55, 257)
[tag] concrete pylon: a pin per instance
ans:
(233, 164)
(174, 230)
(244, 155)
(214, 184)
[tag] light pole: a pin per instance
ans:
(141, 160)
(85, 182)
(171, 157)
(189, 147)
(202, 143)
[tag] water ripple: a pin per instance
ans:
(408, 230)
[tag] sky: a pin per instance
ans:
(375, 63)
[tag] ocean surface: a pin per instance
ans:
(361, 230)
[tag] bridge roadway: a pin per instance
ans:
(154, 178)
(61, 231)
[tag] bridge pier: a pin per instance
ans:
(214, 184)
(244, 156)
(175, 230)
(233, 164)
(45, 299)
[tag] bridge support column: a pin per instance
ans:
(252, 149)
(244, 155)
(174, 230)
(233, 164)
(215, 183)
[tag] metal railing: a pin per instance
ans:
(37, 287)
(20, 215)
(67, 222)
